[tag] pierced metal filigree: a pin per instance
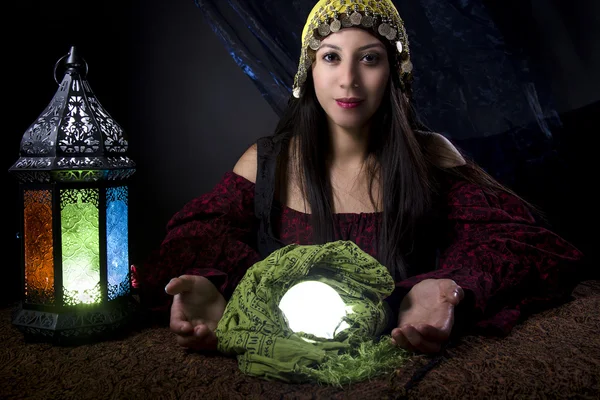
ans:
(73, 132)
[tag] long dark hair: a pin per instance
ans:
(399, 158)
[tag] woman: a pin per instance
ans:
(350, 161)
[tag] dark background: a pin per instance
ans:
(189, 111)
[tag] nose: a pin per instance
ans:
(349, 75)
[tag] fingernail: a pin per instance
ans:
(168, 284)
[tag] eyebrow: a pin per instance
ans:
(368, 46)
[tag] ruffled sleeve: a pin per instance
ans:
(213, 235)
(507, 264)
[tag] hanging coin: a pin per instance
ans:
(367, 21)
(324, 29)
(336, 25)
(346, 22)
(384, 29)
(392, 34)
(314, 43)
(355, 18)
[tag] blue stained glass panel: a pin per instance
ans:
(117, 243)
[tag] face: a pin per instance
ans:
(350, 75)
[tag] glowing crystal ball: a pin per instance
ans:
(315, 308)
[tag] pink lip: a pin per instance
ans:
(349, 104)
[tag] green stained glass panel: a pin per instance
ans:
(80, 245)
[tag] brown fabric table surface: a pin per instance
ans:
(554, 354)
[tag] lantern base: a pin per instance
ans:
(75, 325)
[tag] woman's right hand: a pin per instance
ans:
(197, 309)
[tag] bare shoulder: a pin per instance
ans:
(246, 165)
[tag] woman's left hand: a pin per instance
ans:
(426, 315)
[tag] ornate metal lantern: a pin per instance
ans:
(73, 171)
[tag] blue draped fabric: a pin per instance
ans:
(469, 83)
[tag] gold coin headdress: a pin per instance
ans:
(329, 16)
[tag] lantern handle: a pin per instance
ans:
(73, 60)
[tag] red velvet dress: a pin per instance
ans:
(507, 264)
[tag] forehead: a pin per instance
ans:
(351, 38)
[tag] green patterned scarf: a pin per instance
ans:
(255, 330)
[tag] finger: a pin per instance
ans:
(418, 342)
(457, 294)
(179, 324)
(432, 334)
(202, 339)
(178, 320)
(453, 292)
(398, 339)
(178, 285)
(134, 276)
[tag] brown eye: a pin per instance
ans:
(371, 58)
(330, 57)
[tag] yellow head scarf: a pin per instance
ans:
(329, 16)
